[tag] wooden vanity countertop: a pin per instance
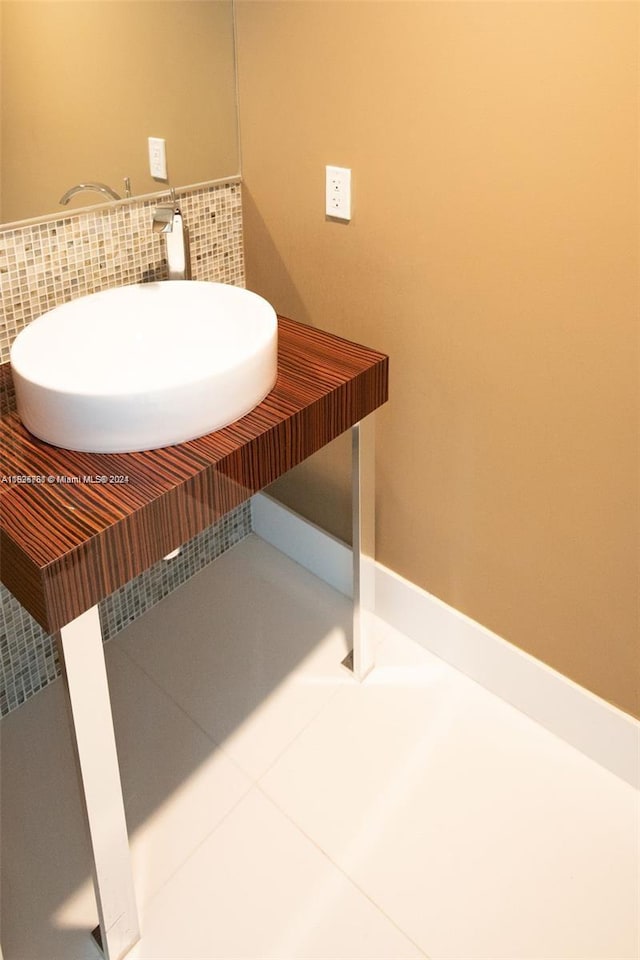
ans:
(90, 522)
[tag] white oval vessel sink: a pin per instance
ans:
(144, 366)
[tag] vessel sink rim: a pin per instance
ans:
(263, 332)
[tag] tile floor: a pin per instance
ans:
(278, 809)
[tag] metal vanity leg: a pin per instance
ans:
(82, 658)
(364, 545)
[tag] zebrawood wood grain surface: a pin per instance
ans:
(90, 522)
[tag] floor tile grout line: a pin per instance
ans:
(339, 685)
(220, 746)
(246, 790)
(296, 736)
(344, 681)
(215, 743)
(255, 782)
(343, 872)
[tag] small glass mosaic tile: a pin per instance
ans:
(48, 262)
(28, 657)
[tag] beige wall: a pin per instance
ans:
(493, 253)
(1, 102)
(84, 84)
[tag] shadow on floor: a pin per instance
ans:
(185, 679)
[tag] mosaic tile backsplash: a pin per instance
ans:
(45, 263)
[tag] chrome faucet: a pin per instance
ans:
(168, 220)
(98, 187)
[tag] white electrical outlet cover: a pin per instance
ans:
(158, 158)
(338, 192)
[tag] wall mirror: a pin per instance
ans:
(84, 83)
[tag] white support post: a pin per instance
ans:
(364, 544)
(82, 658)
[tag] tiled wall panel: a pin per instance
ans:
(48, 262)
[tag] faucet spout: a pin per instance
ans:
(98, 187)
(163, 217)
(168, 220)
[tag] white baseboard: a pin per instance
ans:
(309, 545)
(607, 735)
